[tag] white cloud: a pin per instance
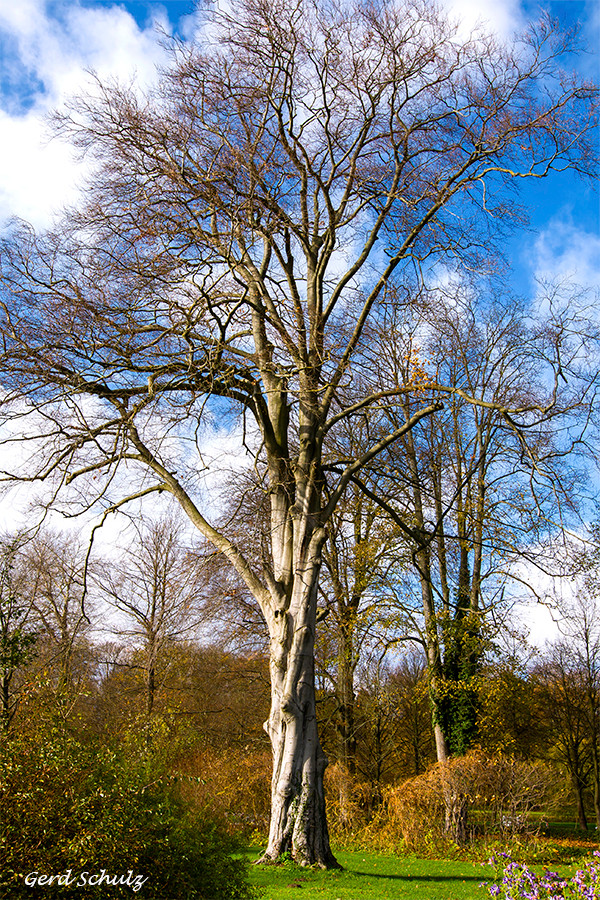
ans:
(539, 622)
(35, 177)
(502, 17)
(47, 59)
(19, 18)
(58, 49)
(564, 252)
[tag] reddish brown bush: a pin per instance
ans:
(464, 797)
(351, 803)
(235, 787)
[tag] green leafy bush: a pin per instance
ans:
(80, 811)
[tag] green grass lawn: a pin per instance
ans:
(370, 876)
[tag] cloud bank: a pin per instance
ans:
(47, 52)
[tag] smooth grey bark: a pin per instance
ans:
(298, 820)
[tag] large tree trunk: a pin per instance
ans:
(298, 818)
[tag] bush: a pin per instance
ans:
(351, 803)
(234, 786)
(74, 807)
(465, 797)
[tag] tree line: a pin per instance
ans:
(153, 651)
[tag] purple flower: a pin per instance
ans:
(520, 883)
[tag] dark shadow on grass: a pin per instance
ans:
(477, 878)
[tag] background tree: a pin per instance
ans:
(583, 630)
(563, 703)
(54, 566)
(579, 652)
(17, 634)
(414, 736)
(242, 226)
(509, 718)
(353, 611)
(394, 722)
(155, 586)
(473, 490)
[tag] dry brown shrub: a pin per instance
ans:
(415, 810)
(235, 787)
(350, 802)
(467, 796)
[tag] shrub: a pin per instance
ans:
(464, 797)
(351, 803)
(234, 786)
(68, 805)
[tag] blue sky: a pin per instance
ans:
(46, 46)
(564, 211)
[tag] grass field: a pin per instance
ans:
(378, 876)
(370, 876)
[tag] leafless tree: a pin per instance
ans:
(244, 223)
(394, 721)
(576, 657)
(563, 705)
(155, 583)
(53, 566)
(355, 607)
(475, 490)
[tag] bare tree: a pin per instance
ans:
(353, 610)
(396, 737)
(53, 575)
(563, 703)
(577, 657)
(244, 223)
(588, 656)
(474, 490)
(155, 584)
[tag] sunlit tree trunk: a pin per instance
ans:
(298, 820)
